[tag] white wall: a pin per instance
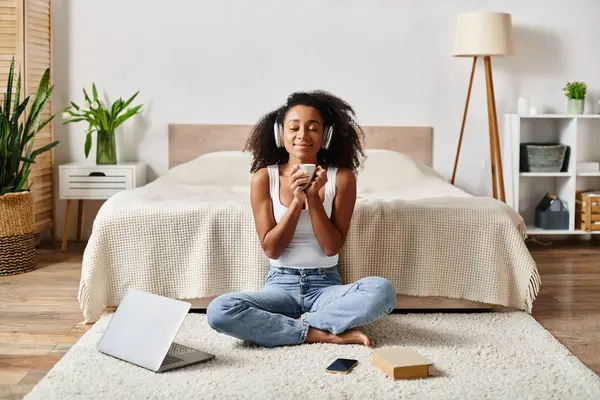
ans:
(201, 61)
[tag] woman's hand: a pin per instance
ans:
(320, 179)
(331, 230)
(299, 180)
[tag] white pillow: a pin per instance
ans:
(389, 174)
(224, 168)
(386, 174)
(386, 168)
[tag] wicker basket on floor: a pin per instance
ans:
(17, 233)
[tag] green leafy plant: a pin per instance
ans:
(17, 135)
(100, 118)
(575, 90)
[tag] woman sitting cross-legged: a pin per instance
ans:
(302, 223)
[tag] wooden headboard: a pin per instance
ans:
(188, 141)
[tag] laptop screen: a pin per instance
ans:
(143, 328)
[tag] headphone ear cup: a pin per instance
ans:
(277, 133)
(327, 137)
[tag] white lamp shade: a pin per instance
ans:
(483, 34)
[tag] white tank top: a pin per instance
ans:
(304, 250)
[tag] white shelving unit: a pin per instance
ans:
(524, 190)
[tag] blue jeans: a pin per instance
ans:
(268, 317)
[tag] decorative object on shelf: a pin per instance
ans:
(552, 213)
(588, 210)
(533, 111)
(523, 106)
(543, 157)
(17, 135)
(575, 92)
(588, 166)
(103, 120)
(484, 34)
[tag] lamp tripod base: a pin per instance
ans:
(495, 155)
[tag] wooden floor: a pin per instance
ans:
(39, 313)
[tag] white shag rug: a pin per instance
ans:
(487, 355)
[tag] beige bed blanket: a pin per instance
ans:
(175, 240)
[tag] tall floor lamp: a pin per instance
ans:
(484, 35)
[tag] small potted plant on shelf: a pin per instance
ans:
(575, 92)
(17, 153)
(103, 120)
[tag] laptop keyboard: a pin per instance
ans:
(174, 351)
(179, 350)
(169, 359)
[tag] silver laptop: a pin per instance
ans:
(142, 331)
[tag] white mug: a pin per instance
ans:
(309, 168)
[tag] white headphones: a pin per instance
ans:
(327, 135)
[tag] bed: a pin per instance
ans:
(190, 234)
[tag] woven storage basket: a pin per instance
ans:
(17, 233)
(543, 157)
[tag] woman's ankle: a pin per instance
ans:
(351, 336)
(318, 336)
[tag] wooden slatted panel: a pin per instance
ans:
(38, 29)
(11, 44)
(25, 33)
(38, 57)
(39, 8)
(11, 40)
(40, 173)
(4, 79)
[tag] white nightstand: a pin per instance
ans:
(95, 182)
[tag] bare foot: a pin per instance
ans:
(351, 336)
(355, 336)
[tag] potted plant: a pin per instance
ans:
(103, 120)
(575, 92)
(17, 135)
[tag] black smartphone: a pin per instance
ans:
(342, 366)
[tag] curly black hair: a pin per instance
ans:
(345, 149)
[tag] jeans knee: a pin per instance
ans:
(383, 290)
(217, 313)
(390, 294)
